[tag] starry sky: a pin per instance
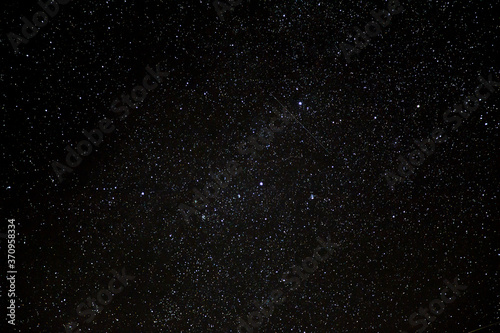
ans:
(322, 175)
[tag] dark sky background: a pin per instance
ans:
(322, 175)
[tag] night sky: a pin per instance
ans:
(345, 124)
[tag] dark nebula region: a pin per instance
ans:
(250, 166)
